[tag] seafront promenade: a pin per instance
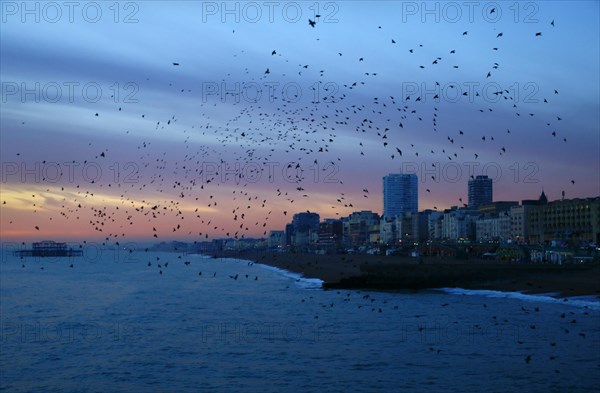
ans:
(358, 271)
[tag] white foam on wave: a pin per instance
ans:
(579, 301)
(299, 280)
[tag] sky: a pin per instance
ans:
(198, 120)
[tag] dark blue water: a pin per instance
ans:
(112, 323)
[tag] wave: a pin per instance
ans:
(589, 302)
(299, 279)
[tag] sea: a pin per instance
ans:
(119, 320)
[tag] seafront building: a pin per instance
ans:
(493, 229)
(400, 194)
(569, 221)
(276, 239)
(459, 224)
(304, 229)
(360, 228)
(480, 191)
(331, 234)
(521, 223)
(494, 223)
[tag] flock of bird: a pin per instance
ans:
(174, 194)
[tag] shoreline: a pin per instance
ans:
(394, 273)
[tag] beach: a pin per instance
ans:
(406, 273)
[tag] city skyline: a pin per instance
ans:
(146, 133)
(537, 222)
